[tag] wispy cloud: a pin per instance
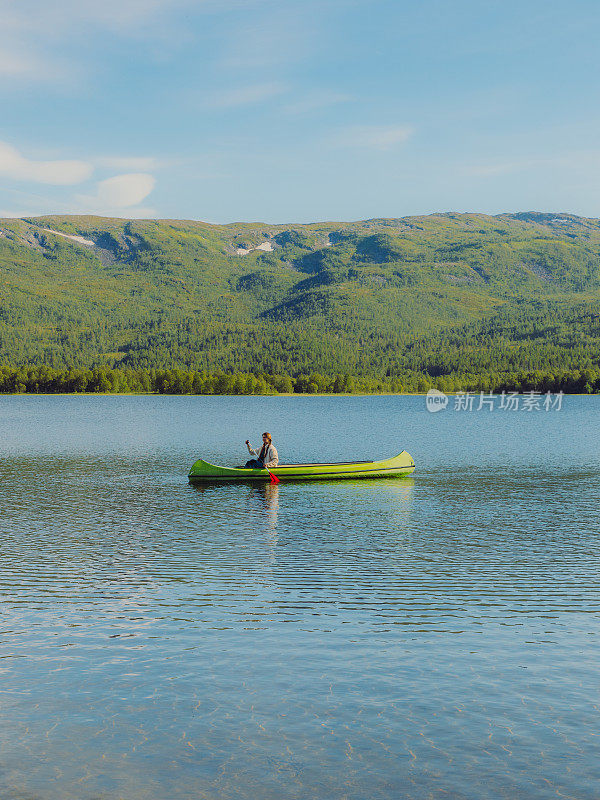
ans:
(137, 163)
(59, 173)
(121, 15)
(493, 170)
(33, 33)
(315, 101)
(36, 36)
(62, 16)
(374, 137)
(282, 33)
(584, 160)
(23, 65)
(246, 95)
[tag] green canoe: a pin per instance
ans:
(390, 468)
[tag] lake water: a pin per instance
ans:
(432, 637)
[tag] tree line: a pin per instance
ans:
(103, 380)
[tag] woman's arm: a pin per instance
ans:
(250, 450)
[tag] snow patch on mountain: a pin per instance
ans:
(77, 239)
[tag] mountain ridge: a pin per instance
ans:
(338, 297)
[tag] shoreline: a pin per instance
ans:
(474, 393)
(167, 394)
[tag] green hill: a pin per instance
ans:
(445, 298)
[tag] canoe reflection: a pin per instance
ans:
(262, 500)
(268, 496)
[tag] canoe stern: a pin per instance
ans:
(203, 470)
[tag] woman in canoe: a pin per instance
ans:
(266, 458)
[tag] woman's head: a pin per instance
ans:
(267, 438)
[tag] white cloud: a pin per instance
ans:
(121, 193)
(246, 95)
(125, 190)
(113, 196)
(375, 137)
(59, 173)
(119, 196)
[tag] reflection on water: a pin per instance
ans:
(268, 496)
(428, 637)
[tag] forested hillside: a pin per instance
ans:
(453, 300)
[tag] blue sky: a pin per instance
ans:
(226, 110)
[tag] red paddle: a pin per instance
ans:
(274, 478)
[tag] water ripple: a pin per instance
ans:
(423, 638)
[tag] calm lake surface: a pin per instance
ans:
(433, 637)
